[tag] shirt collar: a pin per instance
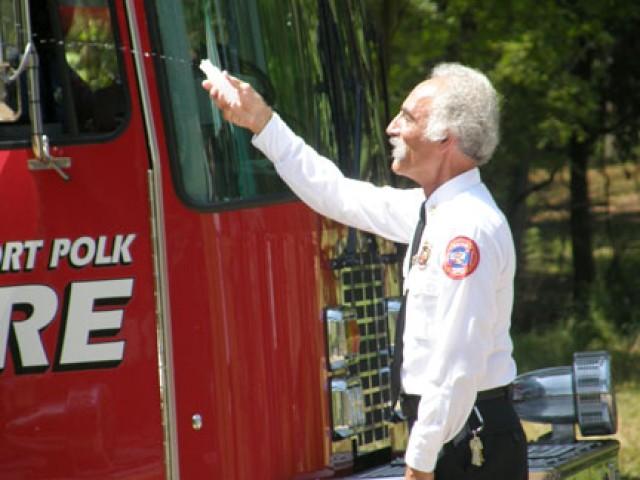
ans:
(453, 187)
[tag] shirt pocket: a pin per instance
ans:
(424, 289)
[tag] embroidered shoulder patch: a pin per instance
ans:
(461, 259)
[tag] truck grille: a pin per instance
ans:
(362, 287)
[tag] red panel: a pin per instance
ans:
(245, 293)
(85, 420)
(63, 419)
(248, 342)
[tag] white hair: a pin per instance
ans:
(467, 107)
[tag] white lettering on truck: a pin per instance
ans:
(21, 256)
(38, 303)
(92, 312)
(11, 255)
(86, 250)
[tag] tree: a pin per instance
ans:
(569, 75)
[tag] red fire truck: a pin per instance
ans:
(164, 299)
(168, 309)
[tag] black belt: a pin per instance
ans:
(498, 392)
(409, 405)
(411, 401)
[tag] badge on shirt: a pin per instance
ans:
(422, 257)
(461, 259)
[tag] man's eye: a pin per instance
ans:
(407, 117)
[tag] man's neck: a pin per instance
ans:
(446, 171)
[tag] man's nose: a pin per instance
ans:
(392, 128)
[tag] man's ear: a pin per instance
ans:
(447, 141)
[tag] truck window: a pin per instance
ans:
(266, 43)
(79, 73)
(10, 102)
(354, 78)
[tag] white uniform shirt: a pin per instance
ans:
(460, 293)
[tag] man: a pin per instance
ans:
(457, 350)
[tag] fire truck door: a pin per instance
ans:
(79, 376)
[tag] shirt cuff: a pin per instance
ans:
(419, 456)
(274, 139)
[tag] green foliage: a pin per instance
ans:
(569, 76)
(629, 431)
(596, 328)
(90, 50)
(553, 62)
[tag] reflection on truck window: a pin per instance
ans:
(78, 72)
(266, 43)
(80, 79)
(10, 104)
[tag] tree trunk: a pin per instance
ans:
(581, 234)
(517, 211)
(388, 14)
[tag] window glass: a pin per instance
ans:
(267, 43)
(80, 80)
(310, 60)
(10, 99)
(354, 78)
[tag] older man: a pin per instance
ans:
(454, 360)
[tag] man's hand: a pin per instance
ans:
(412, 474)
(249, 112)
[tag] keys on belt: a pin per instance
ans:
(475, 444)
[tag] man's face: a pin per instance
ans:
(411, 149)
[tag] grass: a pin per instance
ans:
(629, 431)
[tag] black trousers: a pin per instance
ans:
(504, 443)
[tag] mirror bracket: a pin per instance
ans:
(44, 160)
(7, 79)
(39, 140)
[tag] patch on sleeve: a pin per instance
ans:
(461, 259)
